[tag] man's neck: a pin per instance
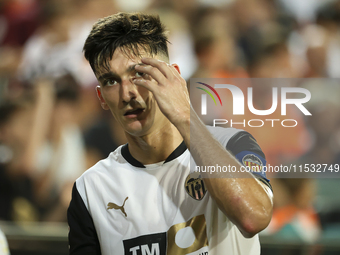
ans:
(156, 146)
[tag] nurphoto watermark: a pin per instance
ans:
(289, 119)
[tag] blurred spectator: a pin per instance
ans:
(303, 10)
(17, 186)
(316, 41)
(55, 48)
(329, 18)
(181, 46)
(61, 154)
(215, 46)
(47, 150)
(102, 137)
(296, 220)
(18, 21)
(324, 124)
(186, 9)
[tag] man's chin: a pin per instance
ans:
(136, 133)
(136, 129)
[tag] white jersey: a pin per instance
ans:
(120, 206)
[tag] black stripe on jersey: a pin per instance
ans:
(243, 141)
(128, 157)
(175, 154)
(83, 239)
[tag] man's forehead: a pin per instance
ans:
(124, 58)
(130, 54)
(119, 61)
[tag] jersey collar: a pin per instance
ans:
(128, 157)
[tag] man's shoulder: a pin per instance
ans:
(94, 176)
(102, 166)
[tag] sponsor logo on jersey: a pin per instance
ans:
(188, 237)
(253, 162)
(154, 244)
(194, 185)
(117, 207)
(183, 238)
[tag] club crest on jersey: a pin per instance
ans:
(253, 162)
(194, 186)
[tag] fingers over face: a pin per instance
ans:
(146, 84)
(162, 66)
(154, 72)
(160, 71)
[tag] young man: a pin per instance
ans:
(144, 199)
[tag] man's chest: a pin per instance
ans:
(150, 210)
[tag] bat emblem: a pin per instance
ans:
(117, 207)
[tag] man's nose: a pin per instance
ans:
(129, 91)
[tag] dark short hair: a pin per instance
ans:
(129, 31)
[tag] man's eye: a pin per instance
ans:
(110, 82)
(139, 74)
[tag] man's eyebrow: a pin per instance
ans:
(107, 75)
(111, 74)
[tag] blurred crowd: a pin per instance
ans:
(52, 128)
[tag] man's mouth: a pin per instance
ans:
(134, 112)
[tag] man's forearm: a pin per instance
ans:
(241, 197)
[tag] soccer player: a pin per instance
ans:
(144, 199)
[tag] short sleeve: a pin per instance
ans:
(83, 239)
(247, 151)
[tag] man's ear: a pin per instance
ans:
(176, 67)
(101, 99)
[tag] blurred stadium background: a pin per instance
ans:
(52, 127)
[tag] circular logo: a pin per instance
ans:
(253, 162)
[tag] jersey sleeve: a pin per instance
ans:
(247, 151)
(83, 239)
